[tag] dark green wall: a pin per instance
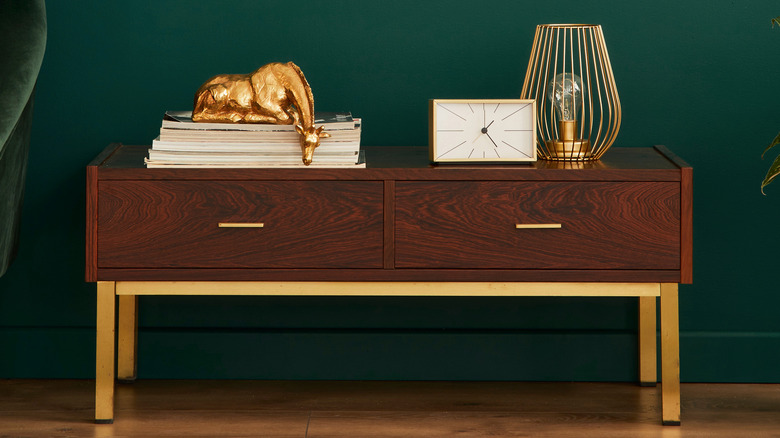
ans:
(698, 76)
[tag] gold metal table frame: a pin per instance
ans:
(117, 332)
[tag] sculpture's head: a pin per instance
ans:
(310, 139)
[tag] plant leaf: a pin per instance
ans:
(773, 171)
(774, 143)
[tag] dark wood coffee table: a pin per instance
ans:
(621, 226)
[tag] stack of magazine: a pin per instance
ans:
(184, 143)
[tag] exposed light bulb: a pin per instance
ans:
(565, 94)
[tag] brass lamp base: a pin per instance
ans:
(568, 147)
(577, 150)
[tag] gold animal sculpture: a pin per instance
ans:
(275, 93)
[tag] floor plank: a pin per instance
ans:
(317, 409)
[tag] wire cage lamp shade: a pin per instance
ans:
(570, 77)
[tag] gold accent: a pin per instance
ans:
(648, 373)
(670, 354)
(127, 336)
(275, 93)
(534, 226)
(390, 288)
(104, 352)
(562, 150)
(560, 164)
(241, 225)
(107, 291)
(568, 145)
(569, 50)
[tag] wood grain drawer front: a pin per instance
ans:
(604, 225)
(306, 224)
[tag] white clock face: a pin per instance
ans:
(483, 130)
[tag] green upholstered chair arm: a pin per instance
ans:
(22, 43)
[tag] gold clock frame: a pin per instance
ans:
(433, 146)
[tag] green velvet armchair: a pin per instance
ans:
(22, 43)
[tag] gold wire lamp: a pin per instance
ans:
(570, 77)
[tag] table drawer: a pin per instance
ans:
(472, 225)
(174, 224)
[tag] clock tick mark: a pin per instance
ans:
(459, 145)
(516, 111)
(453, 112)
(518, 150)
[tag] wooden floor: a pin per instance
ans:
(194, 408)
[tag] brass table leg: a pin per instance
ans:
(670, 355)
(127, 339)
(104, 360)
(648, 373)
(128, 326)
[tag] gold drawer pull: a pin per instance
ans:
(531, 226)
(241, 225)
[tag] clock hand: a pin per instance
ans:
(485, 131)
(491, 138)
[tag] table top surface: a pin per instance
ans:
(411, 162)
(384, 157)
